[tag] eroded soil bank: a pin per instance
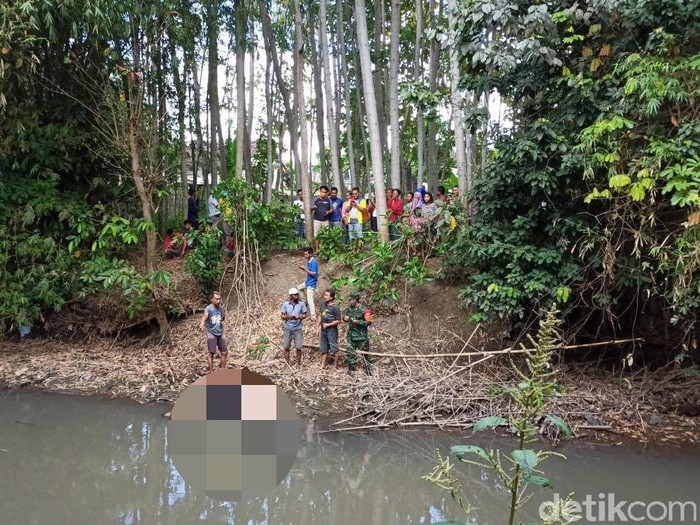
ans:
(448, 392)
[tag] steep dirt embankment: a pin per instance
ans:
(450, 391)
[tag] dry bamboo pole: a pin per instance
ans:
(504, 351)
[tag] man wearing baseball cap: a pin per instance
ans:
(293, 312)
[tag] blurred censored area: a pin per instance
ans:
(233, 435)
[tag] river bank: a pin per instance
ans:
(646, 407)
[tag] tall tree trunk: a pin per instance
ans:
(250, 113)
(372, 120)
(346, 92)
(213, 86)
(269, 101)
(318, 94)
(271, 49)
(433, 176)
(484, 133)
(299, 88)
(418, 74)
(378, 72)
(456, 100)
(240, 86)
(198, 147)
(180, 83)
(361, 125)
(335, 149)
(469, 168)
(394, 94)
(135, 132)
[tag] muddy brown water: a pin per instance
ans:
(77, 460)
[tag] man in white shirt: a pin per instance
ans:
(299, 202)
(214, 211)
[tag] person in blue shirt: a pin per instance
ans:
(311, 282)
(337, 206)
(293, 313)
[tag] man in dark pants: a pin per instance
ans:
(328, 328)
(358, 339)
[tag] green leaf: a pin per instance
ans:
(537, 480)
(619, 181)
(488, 422)
(459, 451)
(560, 424)
(526, 459)
(637, 192)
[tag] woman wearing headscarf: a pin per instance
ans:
(415, 211)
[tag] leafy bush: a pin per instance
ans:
(253, 222)
(331, 243)
(204, 261)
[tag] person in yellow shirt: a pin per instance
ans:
(353, 211)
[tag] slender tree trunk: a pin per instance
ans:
(456, 100)
(250, 113)
(213, 86)
(269, 101)
(199, 136)
(418, 74)
(394, 94)
(299, 87)
(180, 83)
(378, 72)
(240, 16)
(271, 49)
(347, 92)
(484, 133)
(318, 93)
(134, 132)
(433, 176)
(372, 121)
(335, 149)
(469, 154)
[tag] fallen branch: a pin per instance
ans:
(498, 352)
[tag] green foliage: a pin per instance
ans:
(204, 261)
(590, 197)
(519, 469)
(256, 223)
(331, 243)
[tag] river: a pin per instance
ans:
(77, 460)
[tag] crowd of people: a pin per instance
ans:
(293, 312)
(356, 213)
(176, 244)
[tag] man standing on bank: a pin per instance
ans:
(358, 319)
(311, 282)
(328, 328)
(293, 312)
(213, 319)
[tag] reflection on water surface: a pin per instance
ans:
(68, 460)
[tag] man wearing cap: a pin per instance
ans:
(358, 339)
(293, 312)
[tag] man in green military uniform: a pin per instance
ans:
(358, 340)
